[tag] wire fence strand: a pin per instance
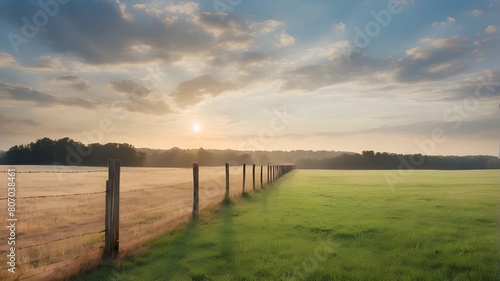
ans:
(61, 239)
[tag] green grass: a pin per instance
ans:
(337, 225)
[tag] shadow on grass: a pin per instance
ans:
(168, 256)
(163, 258)
(226, 237)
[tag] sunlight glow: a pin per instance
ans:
(196, 128)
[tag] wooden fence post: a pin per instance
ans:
(116, 208)
(196, 194)
(268, 173)
(253, 177)
(261, 183)
(227, 179)
(112, 215)
(107, 221)
(272, 173)
(244, 177)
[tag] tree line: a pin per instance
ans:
(391, 161)
(66, 151)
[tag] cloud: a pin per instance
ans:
(286, 40)
(184, 8)
(43, 63)
(228, 33)
(6, 59)
(475, 13)
(192, 92)
(22, 93)
(15, 92)
(252, 57)
(125, 34)
(490, 29)
(30, 122)
(434, 59)
(341, 65)
(474, 128)
(485, 127)
(339, 27)
(74, 81)
(109, 35)
(449, 20)
(138, 98)
(16, 126)
(129, 87)
(268, 26)
(48, 63)
(475, 86)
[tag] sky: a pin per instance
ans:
(407, 76)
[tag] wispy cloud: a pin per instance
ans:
(475, 13)
(194, 91)
(448, 21)
(74, 81)
(339, 27)
(137, 98)
(19, 93)
(491, 29)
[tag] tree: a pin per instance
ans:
(204, 157)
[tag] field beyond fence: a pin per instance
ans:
(61, 211)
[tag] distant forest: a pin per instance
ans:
(66, 151)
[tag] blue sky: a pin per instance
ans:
(408, 76)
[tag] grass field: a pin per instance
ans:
(337, 225)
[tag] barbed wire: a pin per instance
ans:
(159, 208)
(155, 231)
(61, 239)
(60, 268)
(56, 196)
(153, 188)
(123, 170)
(57, 172)
(98, 213)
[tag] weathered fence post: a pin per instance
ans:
(112, 215)
(116, 207)
(253, 177)
(107, 221)
(227, 179)
(268, 170)
(272, 173)
(244, 177)
(261, 182)
(196, 194)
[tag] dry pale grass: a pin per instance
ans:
(60, 212)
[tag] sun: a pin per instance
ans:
(196, 128)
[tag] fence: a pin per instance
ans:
(60, 232)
